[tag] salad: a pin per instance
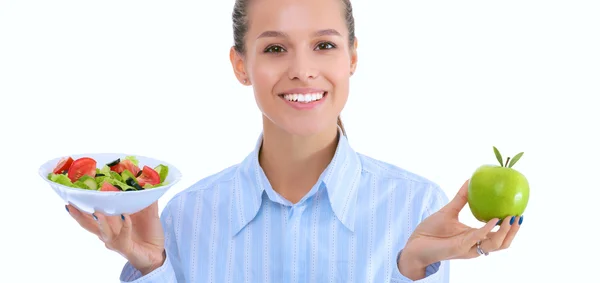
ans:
(119, 175)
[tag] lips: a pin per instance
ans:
(304, 97)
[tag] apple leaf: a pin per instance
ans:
(498, 156)
(515, 159)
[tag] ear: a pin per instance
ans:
(239, 67)
(353, 56)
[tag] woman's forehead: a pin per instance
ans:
(295, 16)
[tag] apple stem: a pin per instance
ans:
(507, 159)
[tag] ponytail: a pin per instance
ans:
(341, 125)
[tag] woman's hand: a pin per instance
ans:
(138, 237)
(442, 237)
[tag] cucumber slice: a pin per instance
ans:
(162, 171)
(91, 184)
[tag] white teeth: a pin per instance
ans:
(304, 98)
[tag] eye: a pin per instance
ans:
(325, 45)
(274, 49)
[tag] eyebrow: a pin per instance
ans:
(324, 32)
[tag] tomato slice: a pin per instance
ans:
(108, 187)
(149, 176)
(63, 165)
(117, 168)
(80, 167)
(126, 164)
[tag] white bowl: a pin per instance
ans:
(111, 203)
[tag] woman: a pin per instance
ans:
(303, 206)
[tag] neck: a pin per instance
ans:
(293, 164)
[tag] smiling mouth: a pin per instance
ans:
(304, 98)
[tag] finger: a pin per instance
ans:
(473, 253)
(123, 240)
(85, 220)
(481, 233)
(115, 223)
(107, 231)
(496, 239)
(511, 233)
(460, 199)
(477, 235)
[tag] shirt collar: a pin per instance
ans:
(340, 179)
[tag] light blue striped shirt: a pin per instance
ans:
(351, 227)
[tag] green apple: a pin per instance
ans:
(498, 191)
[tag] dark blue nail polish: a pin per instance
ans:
(521, 220)
(512, 220)
(499, 222)
(95, 217)
(67, 208)
(122, 217)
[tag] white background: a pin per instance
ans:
(154, 78)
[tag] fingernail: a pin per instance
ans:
(521, 220)
(67, 208)
(122, 217)
(512, 220)
(499, 221)
(95, 217)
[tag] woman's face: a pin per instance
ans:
(299, 62)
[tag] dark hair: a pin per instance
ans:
(240, 28)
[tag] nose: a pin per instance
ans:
(302, 67)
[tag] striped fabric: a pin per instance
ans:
(351, 227)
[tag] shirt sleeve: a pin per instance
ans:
(165, 273)
(170, 271)
(438, 272)
(434, 273)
